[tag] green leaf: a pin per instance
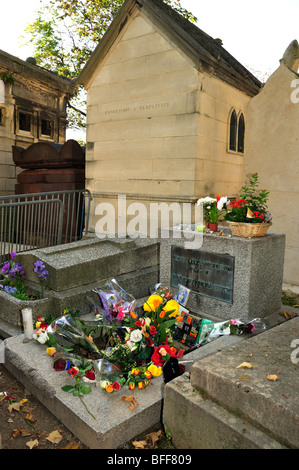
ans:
(68, 388)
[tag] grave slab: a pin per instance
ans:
(230, 407)
(115, 424)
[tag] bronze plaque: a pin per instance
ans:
(210, 274)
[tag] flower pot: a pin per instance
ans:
(213, 227)
(248, 230)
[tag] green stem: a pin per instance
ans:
(87, 408)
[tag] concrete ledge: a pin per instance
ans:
(198, 423)
(271, 405)
(114, 425)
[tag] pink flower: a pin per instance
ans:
(234, 321)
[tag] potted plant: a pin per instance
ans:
(249, 216)
(212, 210)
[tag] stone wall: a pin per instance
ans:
(157, 124)
(271, 149)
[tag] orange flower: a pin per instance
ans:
(132, 385)
(140, 385)
(178, 319)
(133, 315)
(162, 314)
(135, 372)
(109, 388)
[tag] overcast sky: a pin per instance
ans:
(256, 33)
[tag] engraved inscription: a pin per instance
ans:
(136, 108)
(209, 274)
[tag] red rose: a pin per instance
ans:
(152, 330)
(60, 365)
(44, 326)
(149, 342)
(73, 371)
(116, 386)
(138, 323)
(90, 374)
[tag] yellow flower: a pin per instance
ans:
(172, 305)
(51, 351)
(154, 370)
(152, 303)
(38, 324)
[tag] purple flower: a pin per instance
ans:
(5, 268)
(13, 254)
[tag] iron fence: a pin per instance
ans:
(36, 220)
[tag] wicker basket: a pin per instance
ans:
(242, 229)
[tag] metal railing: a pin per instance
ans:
(36, 220)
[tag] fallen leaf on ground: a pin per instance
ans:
(29, 417)
(71, 445)
(32, 444)
(247, 365)
(272, 377)
(139, 444)
(287, 314)
(155, 436)
(244, 377)
(54, 437)
(131, 399)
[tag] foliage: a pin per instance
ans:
(65, 33)
(7, 78)
(252, 205)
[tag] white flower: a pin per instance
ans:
(131, 345)
(41, 337)
(147, 321)
(221, 202)
(104, 383)
(136, 336)
(205, 200)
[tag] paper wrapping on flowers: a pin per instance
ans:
(195, 331)
(69, 328)
(117, 303)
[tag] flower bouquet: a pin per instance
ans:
(251, 209)
(117, 303)
(210, 330)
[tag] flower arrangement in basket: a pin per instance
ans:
(249, 216)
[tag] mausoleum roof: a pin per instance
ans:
(15, 65)
(206, 52)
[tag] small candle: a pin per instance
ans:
(27, 322)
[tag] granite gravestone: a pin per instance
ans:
(228, 276)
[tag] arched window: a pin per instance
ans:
(233, 131)
(241, 132)
(236, 132)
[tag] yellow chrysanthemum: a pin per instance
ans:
(51, 351)
(155, 370)
(152, 303)
(172, 305)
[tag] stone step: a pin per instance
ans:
(246, 393)
(205, 424)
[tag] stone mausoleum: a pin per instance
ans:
(32, 109)
(166, 110)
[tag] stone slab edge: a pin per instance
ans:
(272, 405)
(207, 425)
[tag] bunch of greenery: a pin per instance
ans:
(252, 205)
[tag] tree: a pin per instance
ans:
(66, 32)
